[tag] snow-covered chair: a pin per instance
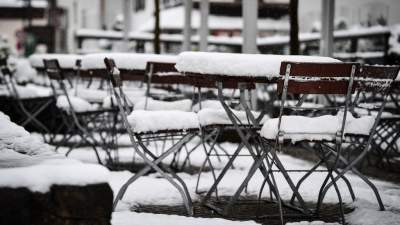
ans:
(81, 117)
(29, 101)
(330, 133)
(143, 126)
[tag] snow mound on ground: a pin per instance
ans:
(132, 218)
(19, 148)
(234, 64)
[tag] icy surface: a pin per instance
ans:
(128, 61)
(233, 64)
(153, 121)
(154, 105)
(78, 104)
(299, 128)
(66, 61)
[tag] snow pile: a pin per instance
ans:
(153, 121)
(78, 104)
(133, 218)
(207, 104)
(23, 70)
(19, 148)
(66, 61)
(210, 116)
(298, 128)
(39, 178)
(233, 64)
(127, 61)
(154, 105)
(367, 214)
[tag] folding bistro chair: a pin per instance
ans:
(329, 132)
(83, 122)
(143, 126)
(29, 109)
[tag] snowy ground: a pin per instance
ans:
(151, 190)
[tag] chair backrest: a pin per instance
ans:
(5, 70)
(316, 78)
(113, 72)
(53, 69)
(376, 78)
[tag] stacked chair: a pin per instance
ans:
(95, 126)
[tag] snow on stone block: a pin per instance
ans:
(78, 104)
(184, 105)
(127, 61)
(298, 128)
(210, 116)
(133, 218)
(39, 178)
(66, 61)
(243, 65)
(154, 121)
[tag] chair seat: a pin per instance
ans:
(154, 121)
(301, 128)
(79, 105)
(209, 117)
(155, 105)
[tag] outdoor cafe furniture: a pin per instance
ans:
(144, 126)
(82, 118)
(244, 69)
(28, 103)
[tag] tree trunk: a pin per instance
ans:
(157, 48)
(294, 27)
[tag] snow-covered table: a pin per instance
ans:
(131, 65)
(233, 67)
(66, 61)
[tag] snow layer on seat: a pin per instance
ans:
(28, 91)
(128, 61)
(66, 61)
(90, 95)
(207, 104)
(152, 121)
(234, 64)
(78, 104)
(210, 116)
(299, 128)
(155, 105)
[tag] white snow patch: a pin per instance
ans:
(78, 104)
(210, 116)
(128, 61)
(154, 105)
(234, 64)
(299, 128)
(66, 61)
(153, 121)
